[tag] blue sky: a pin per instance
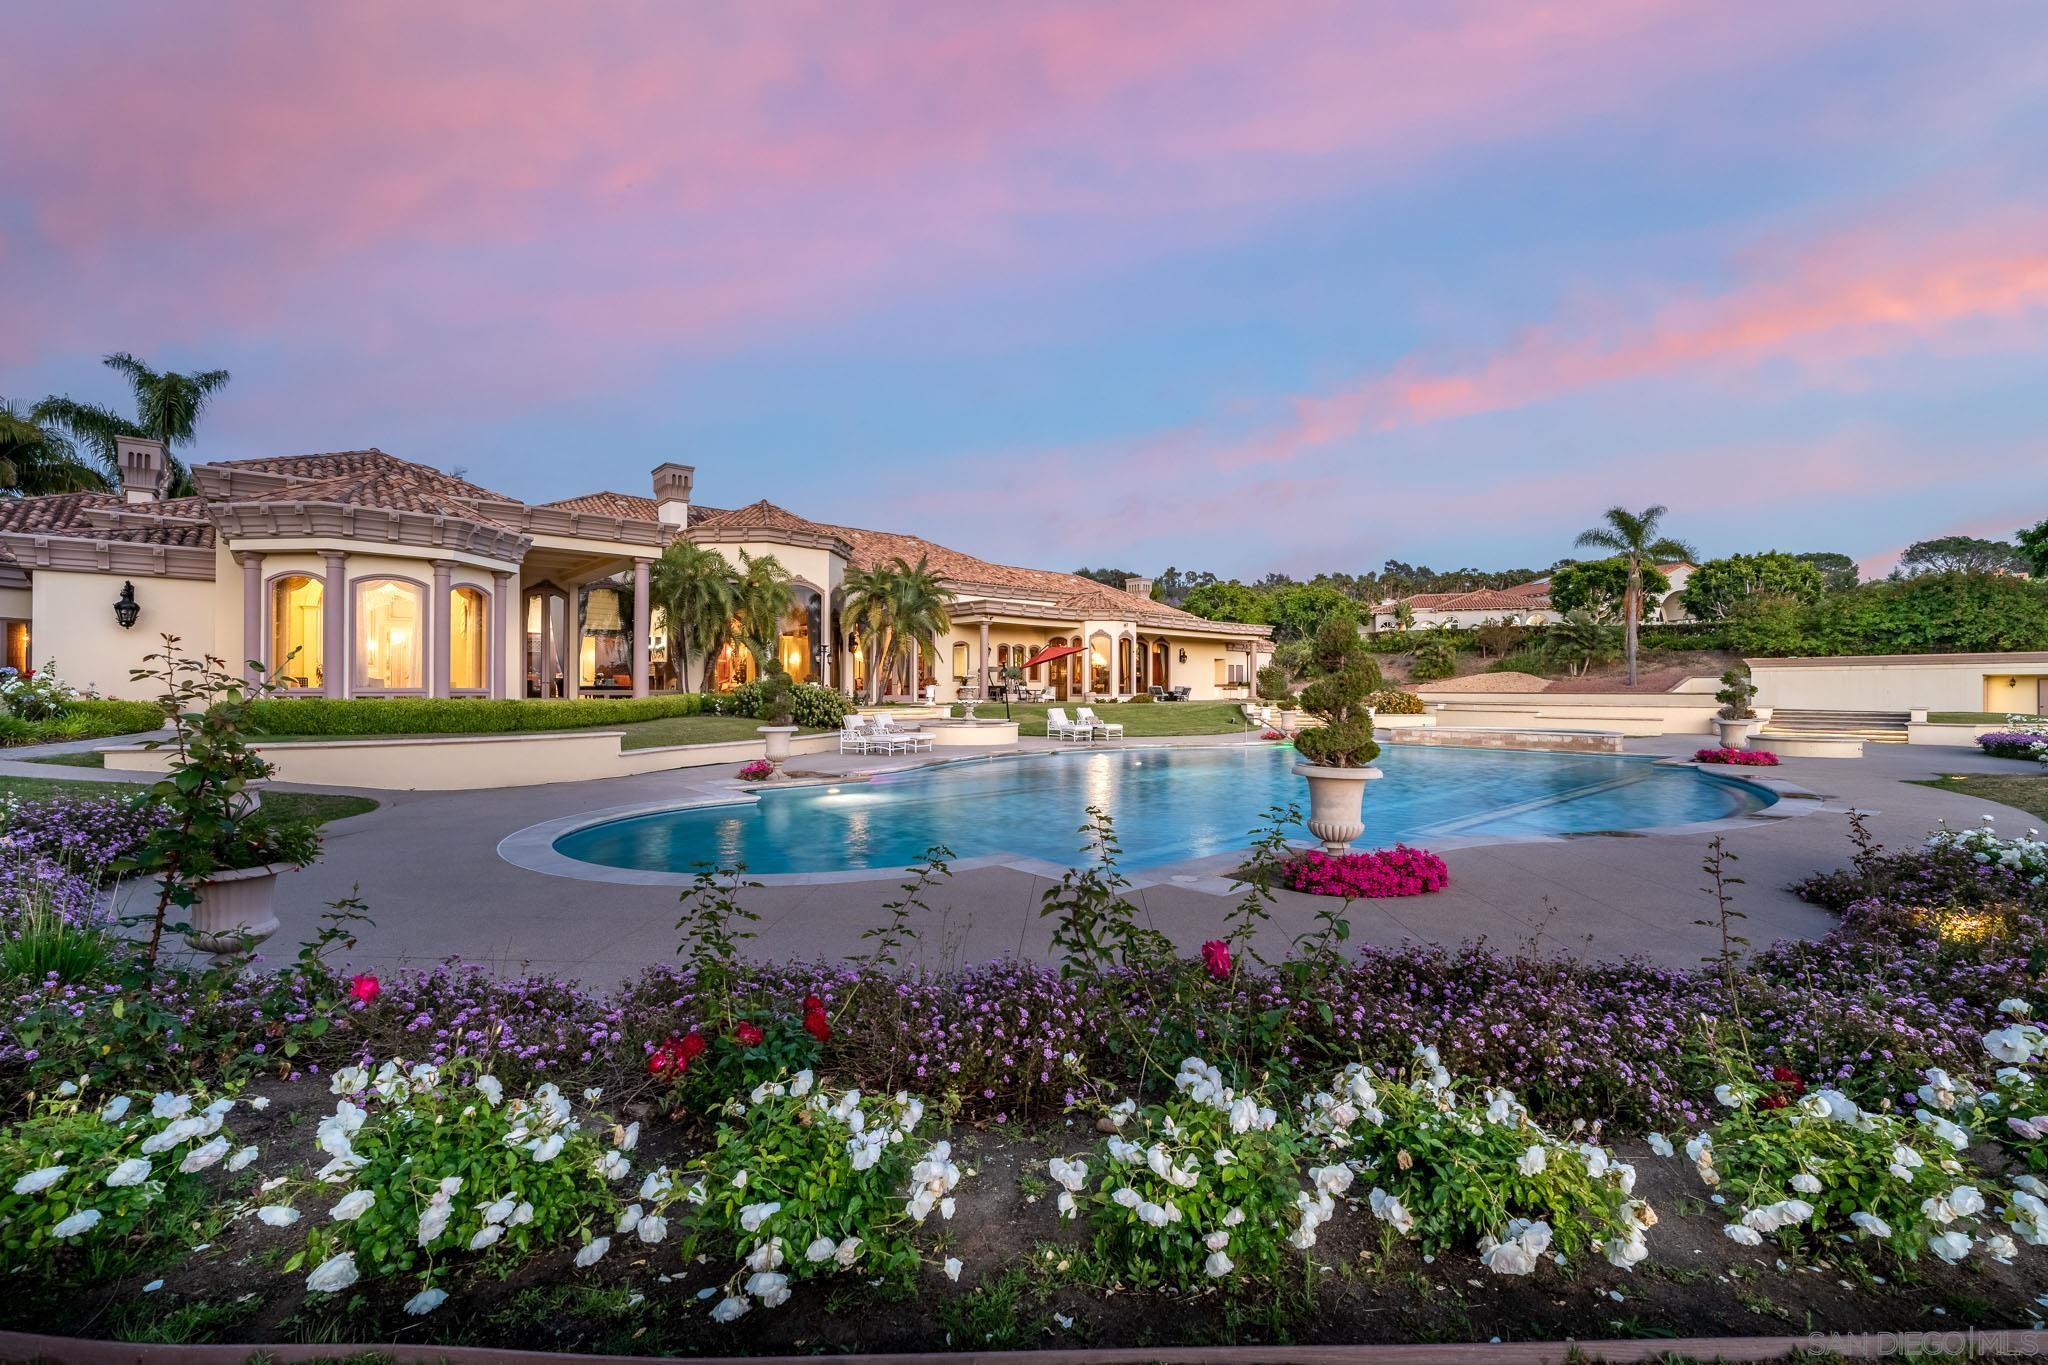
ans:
(1296, 287)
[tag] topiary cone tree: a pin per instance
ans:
(1337, 755)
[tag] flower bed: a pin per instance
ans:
(759, 770)
(1378, 875)
(2015, 744)
(1739, 758)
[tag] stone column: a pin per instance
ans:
(252, 617)
(984, 659)
(572, 647)
(501, 624)
(334, 645)
(643, 620)
(442, 636)
(546, 682)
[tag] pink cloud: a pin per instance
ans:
(627, 176)
(1851, 296)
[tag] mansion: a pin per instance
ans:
(358, 574)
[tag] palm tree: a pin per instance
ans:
(919, 610)
(1404, 615)
(864, 606)
(698, 592)
(167, 408)
(36, 457)
(1632, 538)
(765, 597)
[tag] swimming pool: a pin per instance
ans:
(1170, 805)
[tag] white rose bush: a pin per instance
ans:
(79, 1173)
(1204, 1187)
(801, 1182)
(1448, 1168)
(418, 1166)
(2012, 1109)
(1795, 1171)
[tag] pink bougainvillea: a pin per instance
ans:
(1396, 871)
(1740, 758)
(756, 771)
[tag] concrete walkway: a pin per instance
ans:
(426, 862)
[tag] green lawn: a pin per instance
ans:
(319, 807)
(84, 758)
(2027, 793)
(1139, 719)
(1972, 717)
(639, 734)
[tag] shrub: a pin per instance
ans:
(1449, 1170)
(1377, 875)
(1203, 1186)
(2029, 744)
(810, 705)
(1435, 656)
(1973, 869)
(1736, 694)
(1392, 701)
(34, 696)
(428, 1165)
(803, 1182)
(73, 1175)
(460, 715)
(1343, 676)
(1814, 1166)
(756, 771)
(1739, 758)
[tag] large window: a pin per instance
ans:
(467, 666)
(389, 625)
(298, 652)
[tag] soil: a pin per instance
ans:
(1025, 1282)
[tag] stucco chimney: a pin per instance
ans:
(1139, 587)
(142, 466)
(672, 493)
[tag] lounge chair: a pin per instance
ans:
(1085, 715)
(895, 741)
(854, 735)
(1057, 726)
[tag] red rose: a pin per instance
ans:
(690, 1045)
(817, 1025)
(1775, 1102)
(365, 988)
(1216, 957)
(659, 1061)
(813, 1005)
(748, 1035)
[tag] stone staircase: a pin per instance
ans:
(1875, 727)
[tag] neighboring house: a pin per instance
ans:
(1525, 604)
(361, 574)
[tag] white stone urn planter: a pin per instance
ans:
(235, 908)
(1336, 803)
(1735, 733)
(776, 740)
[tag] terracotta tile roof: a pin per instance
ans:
(343, 464)
(1490, 599)
(763, 516)
(55, 514)
(107, 516)
(398, 490)
(629, 506)
(1081, 598)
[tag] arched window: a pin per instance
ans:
(468, 670)
(297, 649)
(390, 623)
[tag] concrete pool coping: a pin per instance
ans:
(533, 847)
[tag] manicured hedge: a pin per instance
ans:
(83, 720)
(461, 715)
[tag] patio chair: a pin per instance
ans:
(1057, 726)
(893, 740)
(1183, 693)
(1159, 693)
(1085, 715)
(854, 735)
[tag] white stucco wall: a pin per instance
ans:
(72, 617)
(1913, 682)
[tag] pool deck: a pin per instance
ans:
(429, 867)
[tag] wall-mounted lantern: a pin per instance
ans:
(126, 608)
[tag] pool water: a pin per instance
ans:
(1169, 805)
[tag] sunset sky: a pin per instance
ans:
(1237, 286)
